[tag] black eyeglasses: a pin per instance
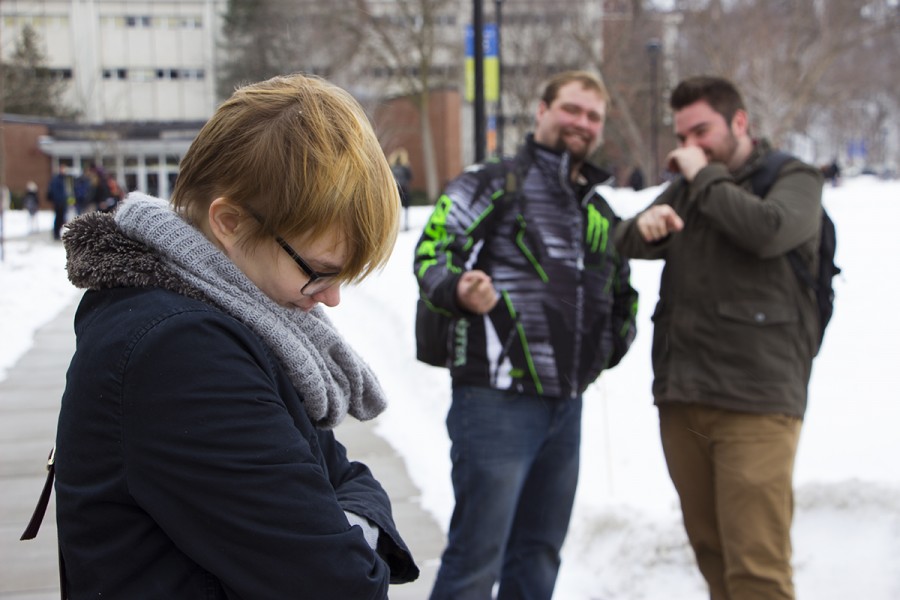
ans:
(318, 282)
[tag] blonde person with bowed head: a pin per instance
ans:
(196, 452)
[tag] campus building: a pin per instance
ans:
(141, 75)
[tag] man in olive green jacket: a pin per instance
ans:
(735, 332)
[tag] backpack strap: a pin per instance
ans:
(31, 530)
(819, 281)
(513, 170)
(762, 180)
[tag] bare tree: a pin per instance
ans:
(264, 38)
(413, 47)
(798, 62)
(781, 53)
(542, 38)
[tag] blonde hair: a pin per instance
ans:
(300, 154)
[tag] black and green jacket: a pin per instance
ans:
(567, 309)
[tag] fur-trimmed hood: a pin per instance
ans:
(147, 244)
(99, 256)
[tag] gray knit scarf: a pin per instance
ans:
(332, 379)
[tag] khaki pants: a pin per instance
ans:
(733, 473)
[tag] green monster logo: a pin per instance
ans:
(597, 233)
(435, 233)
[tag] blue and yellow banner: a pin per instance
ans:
(491, 63)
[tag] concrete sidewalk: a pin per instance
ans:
(29, 404)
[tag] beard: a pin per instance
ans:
(580, 150)
(724, 152)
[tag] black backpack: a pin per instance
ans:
(434, 326)
(762, 180)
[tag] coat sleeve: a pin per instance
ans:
(217, 460)
(359, 492)
(789, 215)
(462, 216)
(624, 313)
(627, 238)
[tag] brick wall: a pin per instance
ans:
(23, 159)
(398, 126)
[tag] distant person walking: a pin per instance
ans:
(832, 172)
(58, 194)
(100, 194)
(402, 173)
(30, 200)
(636, 179)
(82, 188)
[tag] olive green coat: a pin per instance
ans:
(734, 327)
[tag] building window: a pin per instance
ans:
(175, 74)
(138, 21)
(38, 21)
(142, 74)
(60, 73)
(191, 22)
(120, 74)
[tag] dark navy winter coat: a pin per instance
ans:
(188, 468)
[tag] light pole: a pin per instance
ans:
(499, 16)
(653, 49)
(478, 53)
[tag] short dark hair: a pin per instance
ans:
(721, 95)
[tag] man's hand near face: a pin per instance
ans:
(687, 160)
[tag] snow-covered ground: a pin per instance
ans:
(626, 541)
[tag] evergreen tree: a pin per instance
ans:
(29, 87)
(249, 45)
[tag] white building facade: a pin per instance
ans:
(141, 73)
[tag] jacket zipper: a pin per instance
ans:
(579, 287)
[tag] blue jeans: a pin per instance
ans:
(515, 468)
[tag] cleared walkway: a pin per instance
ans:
(29, 404)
